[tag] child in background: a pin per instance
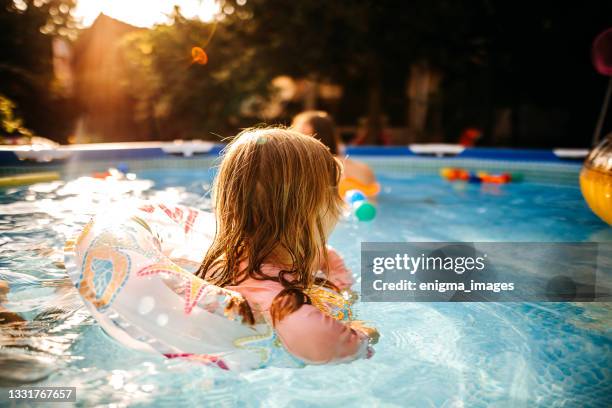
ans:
(276, 202)
(321, 126)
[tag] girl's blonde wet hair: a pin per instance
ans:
(276, 198)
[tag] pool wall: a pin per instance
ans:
(75, 160)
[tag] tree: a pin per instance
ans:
(489, 55)
(361, 44)
(368, 45)
(185, 97)
(27, 28)
(9, 124)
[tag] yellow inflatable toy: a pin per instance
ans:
(596, 180)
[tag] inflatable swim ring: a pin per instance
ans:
(596, 180)
(133, 270)
(349, 183)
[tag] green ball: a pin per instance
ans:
(516, 177)
(365, 211)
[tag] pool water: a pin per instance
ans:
(429, 354)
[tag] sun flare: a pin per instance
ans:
(143, 13)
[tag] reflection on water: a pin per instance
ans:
(428, 355)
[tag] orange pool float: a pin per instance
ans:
(349, 183)
(596, 180)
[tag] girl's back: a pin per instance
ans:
(276, 201)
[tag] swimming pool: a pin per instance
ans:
(430, 354)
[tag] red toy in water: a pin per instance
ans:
(102, 175)
(112, 174)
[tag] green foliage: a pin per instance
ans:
(27, 28)
(367, 46)
(360, 43)
(340, 40)
(9, 124)
(184, 98)
(490, 54)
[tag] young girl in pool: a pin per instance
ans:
(356, 175)
(276, 202)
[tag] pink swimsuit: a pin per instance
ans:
(309, 334)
